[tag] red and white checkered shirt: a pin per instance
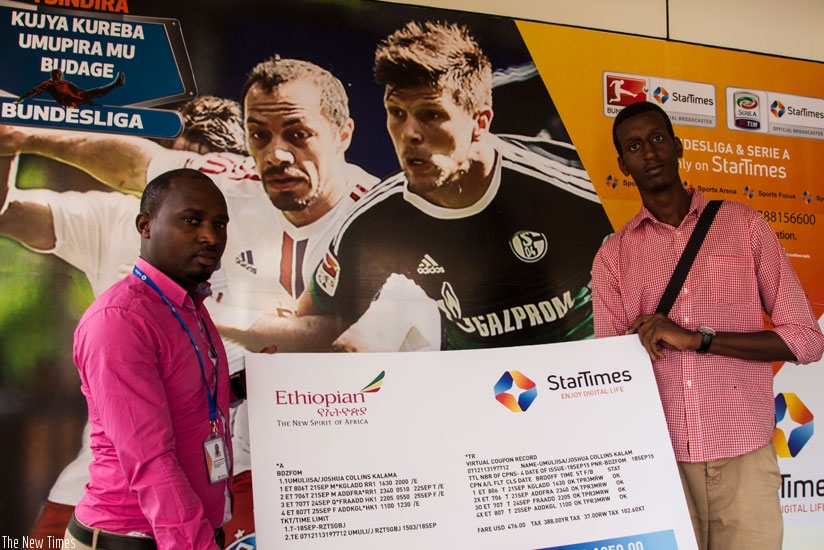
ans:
(716, 407)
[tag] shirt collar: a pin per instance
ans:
(173, 291)
(697, 204)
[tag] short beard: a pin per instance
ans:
(289, 203)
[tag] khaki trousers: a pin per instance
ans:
(70, 542)
(734, 503)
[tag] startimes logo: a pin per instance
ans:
(505, 392)
(777, 109)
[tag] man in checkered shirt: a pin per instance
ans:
(712, 356)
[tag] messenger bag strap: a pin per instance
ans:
(687, 257)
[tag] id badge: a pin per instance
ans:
(216, 463)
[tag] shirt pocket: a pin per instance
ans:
(732, 280)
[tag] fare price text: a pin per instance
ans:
(638, 545)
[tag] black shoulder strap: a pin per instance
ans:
(687, 257)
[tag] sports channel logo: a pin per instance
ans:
(777, 109)
(506, 391)
(661, 95)
(747, 114)
(612, 181)
(799, 416)
(624, 90)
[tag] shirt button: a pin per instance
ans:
(689, 383)
(686, 291)
(686, 319)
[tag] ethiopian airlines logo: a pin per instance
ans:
(506, 391)
(375, 385)
(800, 420)
(329, 399)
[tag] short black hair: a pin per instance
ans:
(269, 74)
(636, 109)
(155, 192)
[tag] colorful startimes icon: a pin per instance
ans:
(800, 435)
(612, 181)
(777, 108)
(660, 94)
(507, 398)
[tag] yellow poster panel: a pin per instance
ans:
(752, 125)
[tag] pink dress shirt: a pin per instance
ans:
(149, 414)
(716, 407)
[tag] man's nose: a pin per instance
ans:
(411, 131)
(278, 154)
(208, 234)
(648, 149)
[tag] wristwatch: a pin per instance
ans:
(706, 339)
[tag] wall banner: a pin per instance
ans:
(94, 100)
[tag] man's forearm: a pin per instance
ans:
(312, 333)
(757, 346)
(117, 161)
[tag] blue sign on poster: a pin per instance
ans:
(100, 71)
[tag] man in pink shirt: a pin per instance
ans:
(711, 355)
(156, 380)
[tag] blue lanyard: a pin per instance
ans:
(212, 398)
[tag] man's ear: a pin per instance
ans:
(345, 134)
(483, 119)
(679, 148)
(622, 166)
(143, 224)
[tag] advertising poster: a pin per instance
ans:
(504, 465)
(95, 97)
(751, 126)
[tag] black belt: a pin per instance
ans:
(108, 541)
(111, 541)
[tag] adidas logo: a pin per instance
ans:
(246, 261)
(428, 266)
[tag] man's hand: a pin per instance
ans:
(12, 139)
(658, 332)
